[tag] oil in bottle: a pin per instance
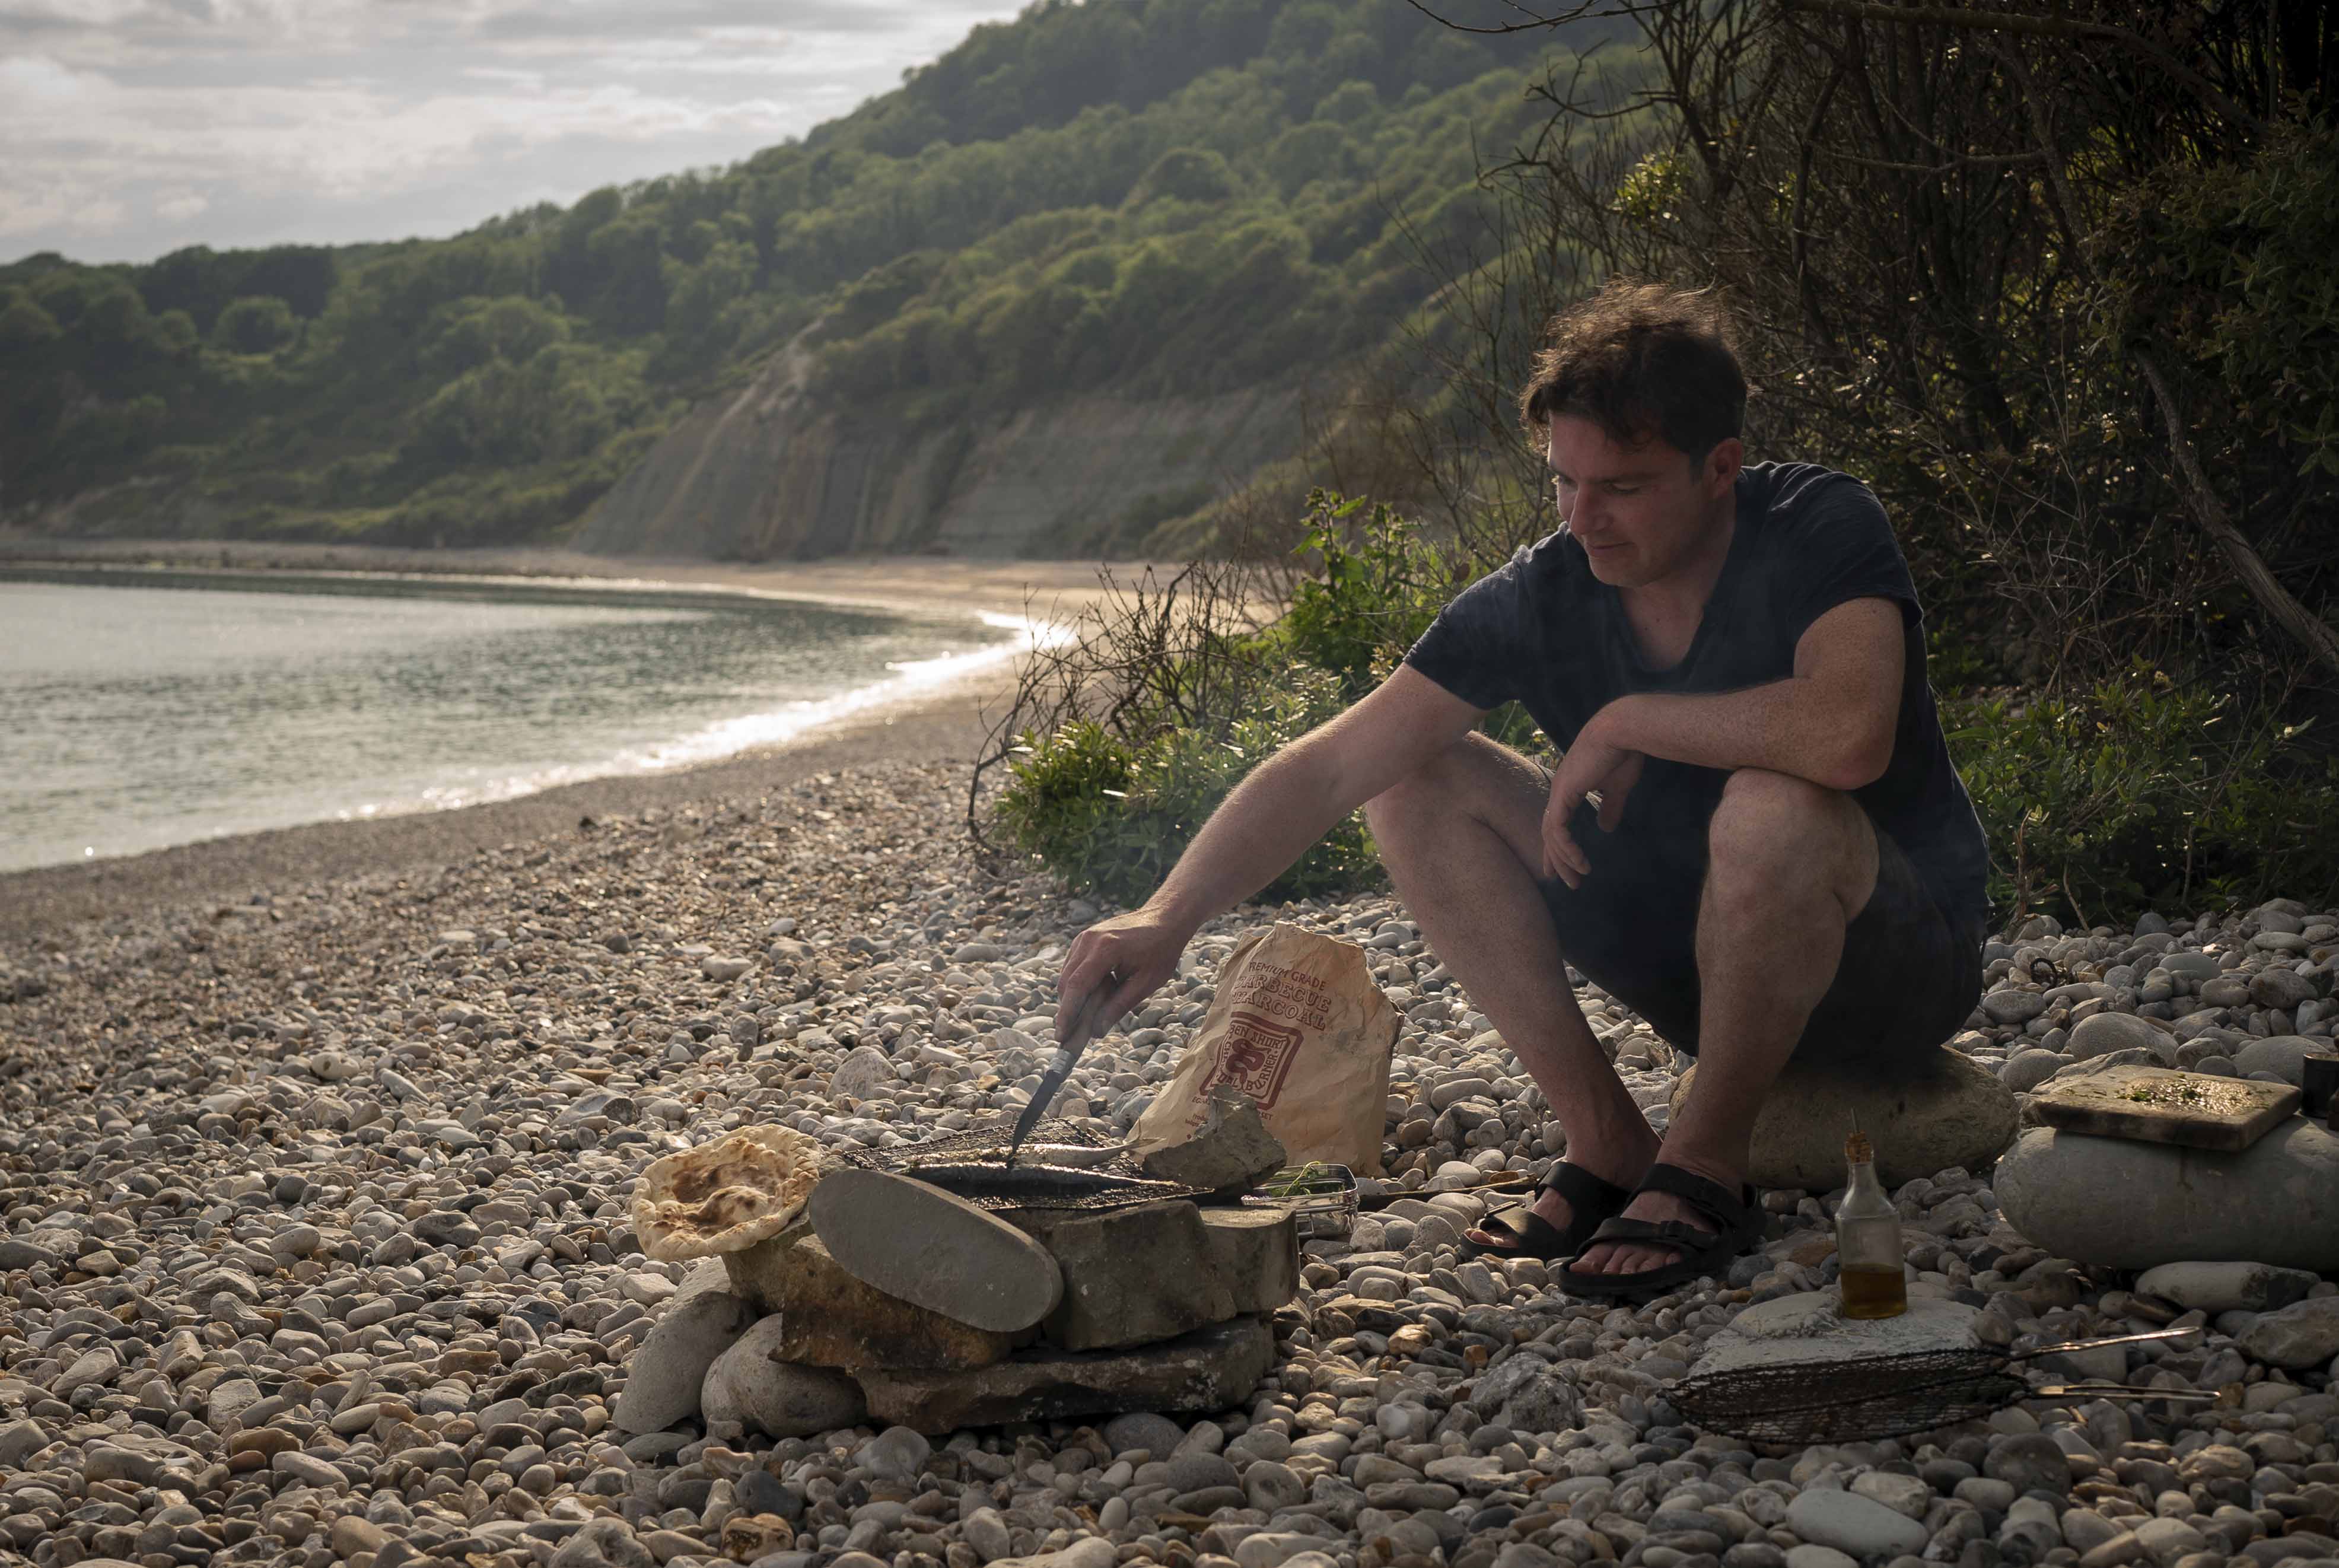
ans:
(1868, 1240)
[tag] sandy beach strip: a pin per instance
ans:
(943, 724)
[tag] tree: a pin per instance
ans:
(255, 324)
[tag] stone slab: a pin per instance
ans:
(831, 1319)
(2160, 1105)
(2122, 1204)
(1810, 1326)
(1232, 1148)
(934, 1250)
(1130, 1276)
(1255, 1250)
(1210, 1369)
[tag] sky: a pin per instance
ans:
(131, 128)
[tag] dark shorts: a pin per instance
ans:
(1909, 978)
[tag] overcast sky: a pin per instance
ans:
(129, 128)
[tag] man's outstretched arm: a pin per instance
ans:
(1269, 821)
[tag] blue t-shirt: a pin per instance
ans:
(1545, 632)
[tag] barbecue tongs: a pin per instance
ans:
(1051, 1083)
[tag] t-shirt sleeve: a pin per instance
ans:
(1476, 647)
(1842, 550)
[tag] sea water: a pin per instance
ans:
(139, 709)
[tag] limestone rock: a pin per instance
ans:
(743, 1188)
(830, 1318)
(2109, 1031)
(1850, 1522)
(2283, 1055)
(2121, 1204)
(859, 1074)
(1131, 1275)
(1945, 1110)
(664, 1378)
(1210, 1369)
(934, 1250)
(1256, 1251)
(2305, 1334)
(778, 1399)
(1231, 1150)
(2226, 1287)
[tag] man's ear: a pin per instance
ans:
(1722, 464)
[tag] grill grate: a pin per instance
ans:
(993, 1136)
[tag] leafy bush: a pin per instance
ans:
(1111, 817)
(2136, 795)
(1377, 586)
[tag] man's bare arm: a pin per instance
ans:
(1832, 722)
(1269, 821)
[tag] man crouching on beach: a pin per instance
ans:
(1755, 838)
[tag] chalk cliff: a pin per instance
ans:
(764, 474)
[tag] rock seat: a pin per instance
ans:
(1943, 1110)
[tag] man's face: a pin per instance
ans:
(1641, 513)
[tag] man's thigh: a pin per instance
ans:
(1475, 777)
(1904, 981)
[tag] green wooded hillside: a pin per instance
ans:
(1150, 196)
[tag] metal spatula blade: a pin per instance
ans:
(1051, 1082)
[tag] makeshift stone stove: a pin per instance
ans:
(836, 1293)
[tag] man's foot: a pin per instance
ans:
(1630, 1257)
(1556, 1210)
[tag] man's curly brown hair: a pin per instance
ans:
(1642, 361)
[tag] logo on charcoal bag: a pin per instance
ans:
(1254, 1055)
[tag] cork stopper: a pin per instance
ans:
(1858, 1149)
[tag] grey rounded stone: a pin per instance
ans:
(2109, 1031)
(2282, 1055)
(664, 1378)
(2121, 1204)
(777, 1398)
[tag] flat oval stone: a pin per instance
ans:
(934, 1250)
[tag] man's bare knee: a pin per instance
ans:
(1474, 779)
(1780, 828)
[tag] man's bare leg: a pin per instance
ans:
(1459, 838)
(1791, 864)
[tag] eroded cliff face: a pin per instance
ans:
(765, 475)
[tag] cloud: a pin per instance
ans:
(137, 125)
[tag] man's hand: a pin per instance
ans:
(1115, 964)
(1592, 762)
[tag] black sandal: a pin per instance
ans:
(1738, 1224)
(1590, 1202)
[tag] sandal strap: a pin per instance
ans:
(1670, 1232)
(1733, 1212)
(1583, 1191)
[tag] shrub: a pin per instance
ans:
(2135, 794)
(1112, 818)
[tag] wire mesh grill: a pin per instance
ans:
(1876, 1396)
(1804, 1402)
(984, 1143)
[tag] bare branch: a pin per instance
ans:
(2043, 26)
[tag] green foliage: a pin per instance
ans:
(255, 324)
(1377, 586)
(1111, 817)
(24, 325)
(2138, 795)
(2234, 266)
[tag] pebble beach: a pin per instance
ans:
(317, 1244)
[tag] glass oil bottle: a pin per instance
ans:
(1868, 1240)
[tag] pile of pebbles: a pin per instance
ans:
(314, 1247)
